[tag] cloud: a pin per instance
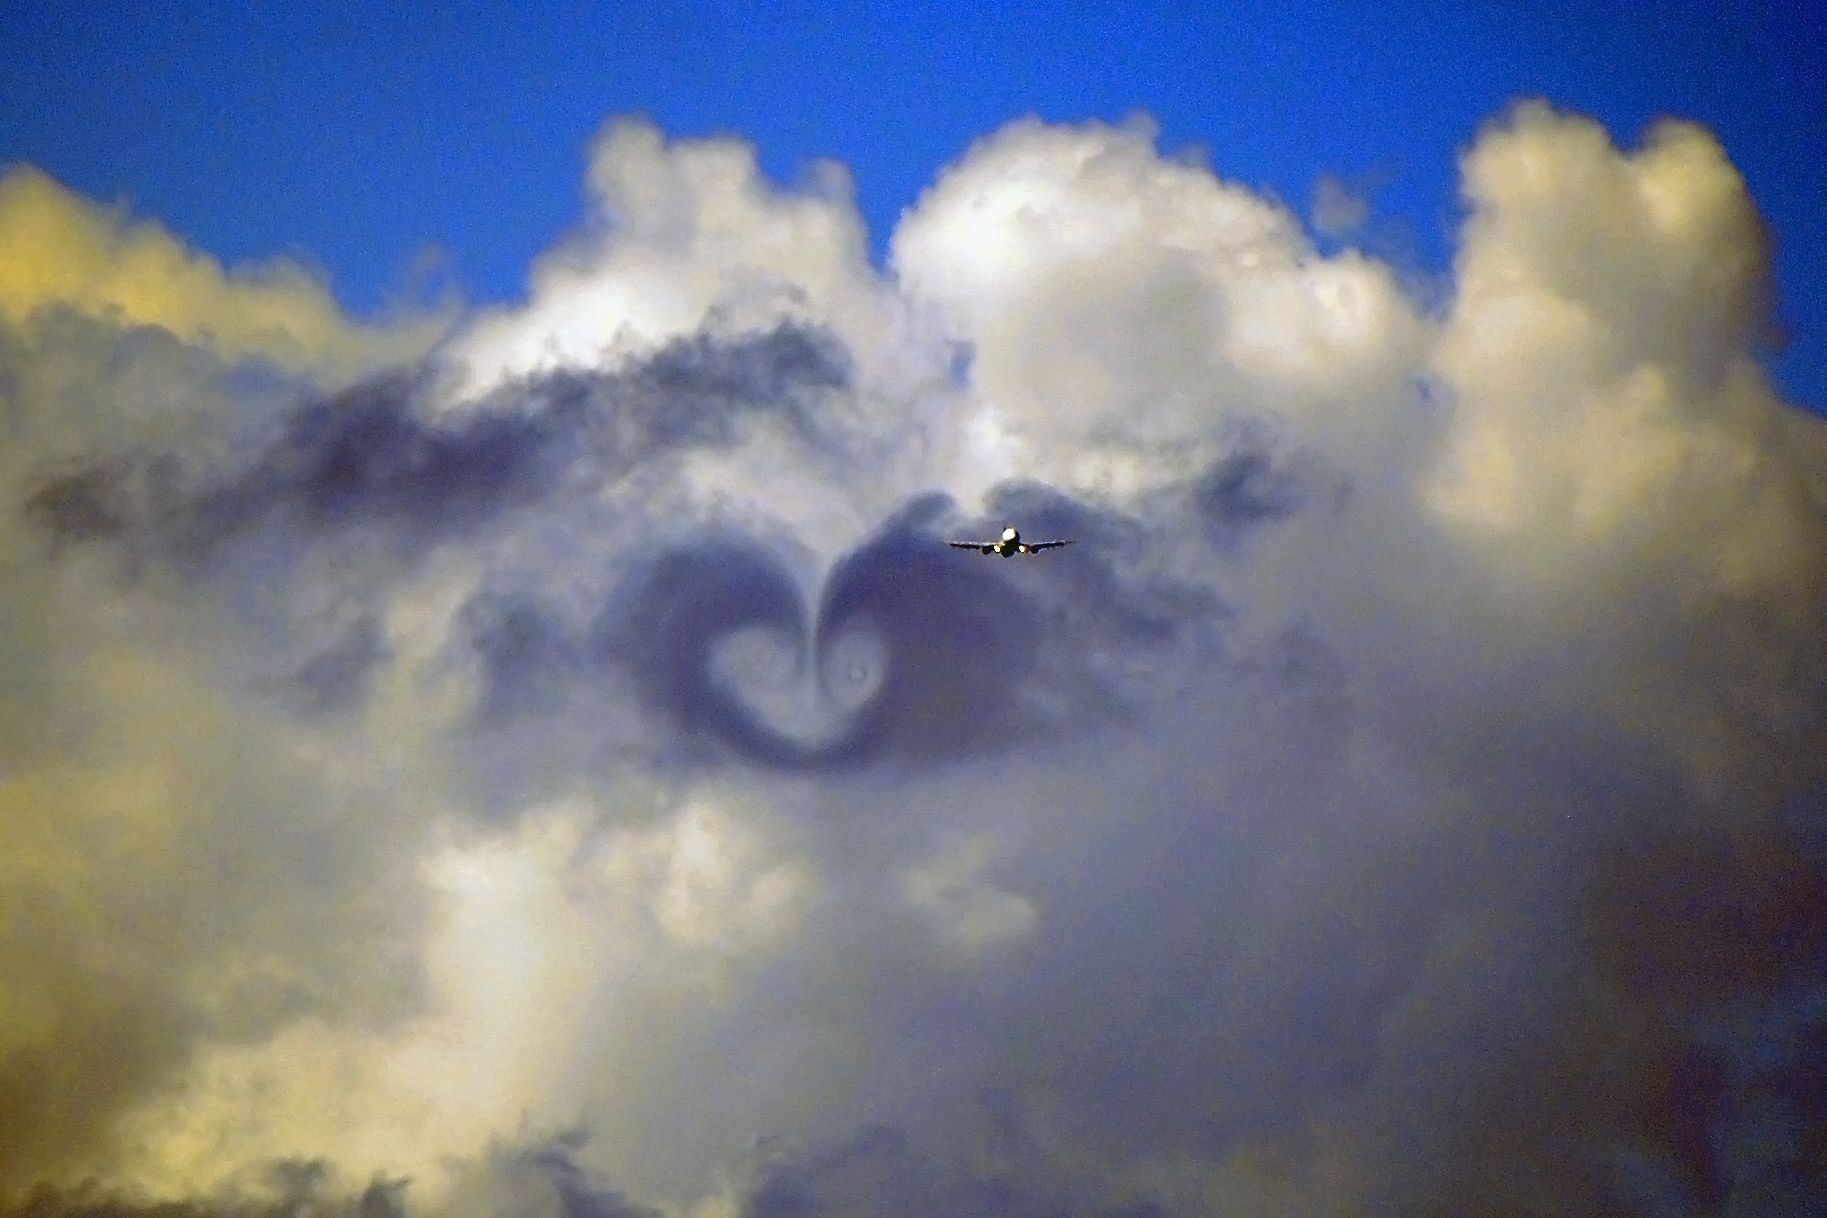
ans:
(59, 249)
(570, 772)
(154, 901)
(894, 640)
(365, 451)
(281, 1187)
(877, 1172)
(1646, 277)
(1118, 305)
(678, 236)
(1339, 210)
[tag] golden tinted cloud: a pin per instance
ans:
(59, 248)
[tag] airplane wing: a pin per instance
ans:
(1048, 545)
(968, 545)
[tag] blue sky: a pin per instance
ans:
(356, 142)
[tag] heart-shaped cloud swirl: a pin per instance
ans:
(891, 663)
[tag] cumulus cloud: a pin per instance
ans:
(677, 237)
(60, 249)
(569, 772)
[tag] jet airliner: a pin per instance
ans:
(1009, 543)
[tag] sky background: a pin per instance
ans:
(357, 142)
(490, 726)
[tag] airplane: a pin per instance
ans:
(1009, 543)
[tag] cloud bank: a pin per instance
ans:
(560, 768)
(57, 248)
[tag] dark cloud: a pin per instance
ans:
(691, 391)
(364, 454)
(529, 661)
(1116, 589)
(677, 609)
(1712, 950)
(543, 1180)
(975, 655)
(1772, 1148)
(80, 506)
(1251, 486)
(373, 454)
(288, 1188)
(1693, 920)
(338, 676)
(879, 1174)
(576, 1192)
(1616, 926)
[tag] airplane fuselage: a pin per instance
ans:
(1009, 544)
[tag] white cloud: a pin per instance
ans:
(678, 236)
(1121, 306)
